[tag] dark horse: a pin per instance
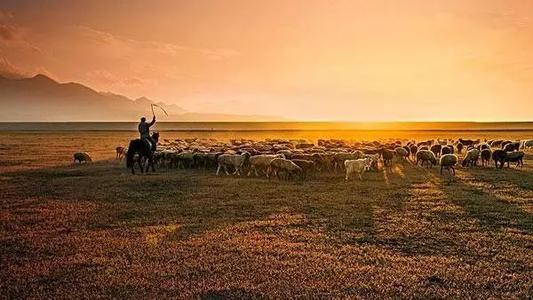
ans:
(144, 152)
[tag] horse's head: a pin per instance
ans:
(155, 137)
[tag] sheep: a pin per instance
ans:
(120, 152)
(413, 149)
(484, 146)
(401, 153)
(515, 156)
(328, 160)
(356, 166)
(460, 147)
(236, 161)
(436, 149)
(505, 143)
(471, 158)
(499, 156)
(486, 154)
(158, 157)
(526, 144)
(426, 156)
(446, 150)
(282, 165)
(304, 145)
(287, 153)
(81, 157)
(442, 142)
(185, 159)
(426, 143)
(509, 147)
(200, 160)
(408, 149)
(468, 142)
(212, 159)
(496, 143)
(261, 162)
(339, 158)
(374, 158)
(448, 162)
(308, 166)
(387, 156)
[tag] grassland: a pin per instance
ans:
(94, 230)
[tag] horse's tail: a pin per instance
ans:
(130, 154)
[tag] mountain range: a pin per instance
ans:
(42, 99)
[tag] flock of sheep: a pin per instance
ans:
(299, 159)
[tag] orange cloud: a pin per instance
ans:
(341, 60)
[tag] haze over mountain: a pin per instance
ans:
(41, 98)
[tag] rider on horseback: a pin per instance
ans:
(144, 130)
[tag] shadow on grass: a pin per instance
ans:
(491, 212)
(517, 176)
(198, 201)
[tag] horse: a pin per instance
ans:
(144, 151)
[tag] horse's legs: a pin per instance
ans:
(140, 165)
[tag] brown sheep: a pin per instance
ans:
(82, 157)
(308, 167)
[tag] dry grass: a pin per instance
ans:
(94, 230)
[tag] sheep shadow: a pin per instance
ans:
(351, 210)
(417, 186)
(491, 212)
(520, 177)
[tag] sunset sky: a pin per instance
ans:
(306, 60)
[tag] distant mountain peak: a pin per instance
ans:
(43, 77)
(41, 98)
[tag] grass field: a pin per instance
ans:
(95, 230)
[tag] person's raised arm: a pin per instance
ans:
(153, 121)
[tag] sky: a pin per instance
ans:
(304, 60)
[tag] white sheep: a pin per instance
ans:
(356, 166)
(282, 165)
(261, 162)
(340, 157)
(236, 161)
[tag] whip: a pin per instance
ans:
(152, 106)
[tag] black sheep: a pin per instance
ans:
(485, 156)
(510, 147)
(447, 150)
(436, 149)
(467, 142)
(460, 148)
(517, 157)
(499, 156)
(387, 156)
(413, 149)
